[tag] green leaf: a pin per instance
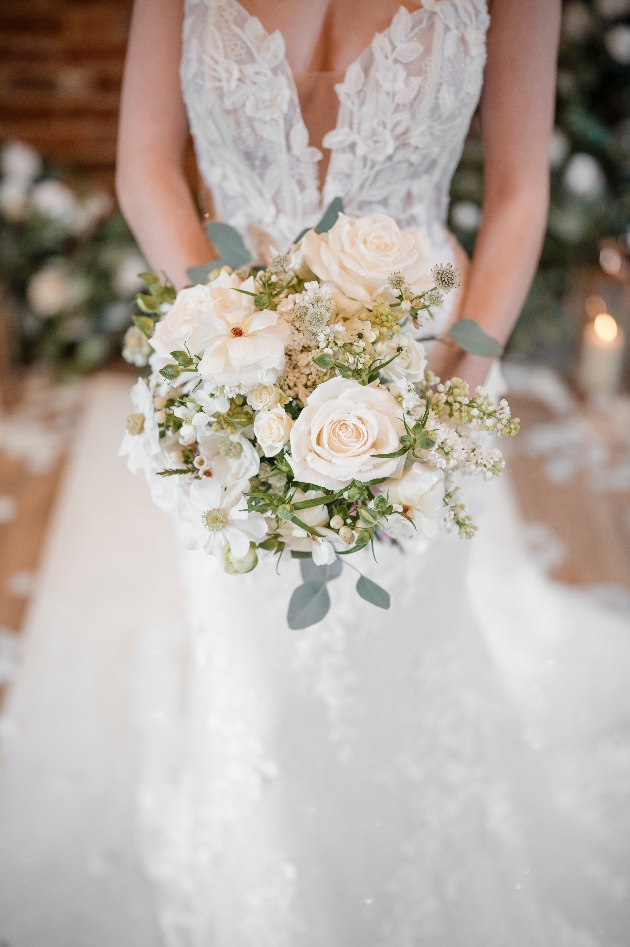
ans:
(397, 453)
(317, 501)
(172, 472)
(324, 361)
(314, 573)
(328, 220)
(149, 278)
(330, 216)
(170, 372)
(373, 593)
(183, 359)
(145, 325)
(309, 603)
(146, 303)
(470, 336)
(229, 243)
(199, 274)
(296, 554)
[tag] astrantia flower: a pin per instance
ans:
(142, 441)
(216, 517)
(242, 345)
(446, 276)
(336, 436)
(420, 496)
(300, 540)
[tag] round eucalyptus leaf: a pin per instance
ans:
(470, 336)
(309, 604)
(373, 593)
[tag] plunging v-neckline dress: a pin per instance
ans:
(364, 782)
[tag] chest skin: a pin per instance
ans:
(325, 35)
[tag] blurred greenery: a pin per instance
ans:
(590, 172)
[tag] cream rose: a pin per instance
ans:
(410, 363)
(272, 429)
(265, 396)
(357, 256)
(336, 436)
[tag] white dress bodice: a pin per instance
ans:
(404, 110)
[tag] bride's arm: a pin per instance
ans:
(150, 180)
(516, 109)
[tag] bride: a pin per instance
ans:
(364, 781)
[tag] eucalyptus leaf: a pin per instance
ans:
(229, 243)
(325, 360)
(200, 274)
(309, 603)
(314, 573)
(373, 593)
(328, 220)
(470, 336)
(170, 372)
(331, 214)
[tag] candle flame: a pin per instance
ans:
(605, 327)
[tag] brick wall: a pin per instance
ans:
(61, 65)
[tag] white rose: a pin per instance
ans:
(336, 436)
(265, 396)
(272, 429)
(357, 256)
(243, 346)
(420, 495)
(410, 364)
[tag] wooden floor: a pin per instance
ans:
(588, 527)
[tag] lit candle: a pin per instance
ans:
(601, 360)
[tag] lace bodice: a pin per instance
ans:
(404, 110)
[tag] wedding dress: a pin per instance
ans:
(365, 782)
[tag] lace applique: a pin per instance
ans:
(405, 107)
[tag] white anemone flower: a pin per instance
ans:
(228, 457)
(420, 496)
(322, 547)
(217, 517)
(142, 441)
(243, 346)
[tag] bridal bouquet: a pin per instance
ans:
(290, 410)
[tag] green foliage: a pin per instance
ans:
(470, 336)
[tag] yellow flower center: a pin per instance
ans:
(215, 520)
(135, 424)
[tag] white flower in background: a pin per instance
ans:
(136, 347)
(90, 211)
(411, 361)
(272, 428)
(228, 457)
(13, 200)
(52, 290)
(127, 282)
(466, 215)
(617, 42)
(321, 547)
(420, 495)
(577, 21)
(343, 426)
(242, 346)
(217, 516)
(142, 440)
(54, 200)
(20, 163)
(357, 256)
(559, 145)
(584, 177)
